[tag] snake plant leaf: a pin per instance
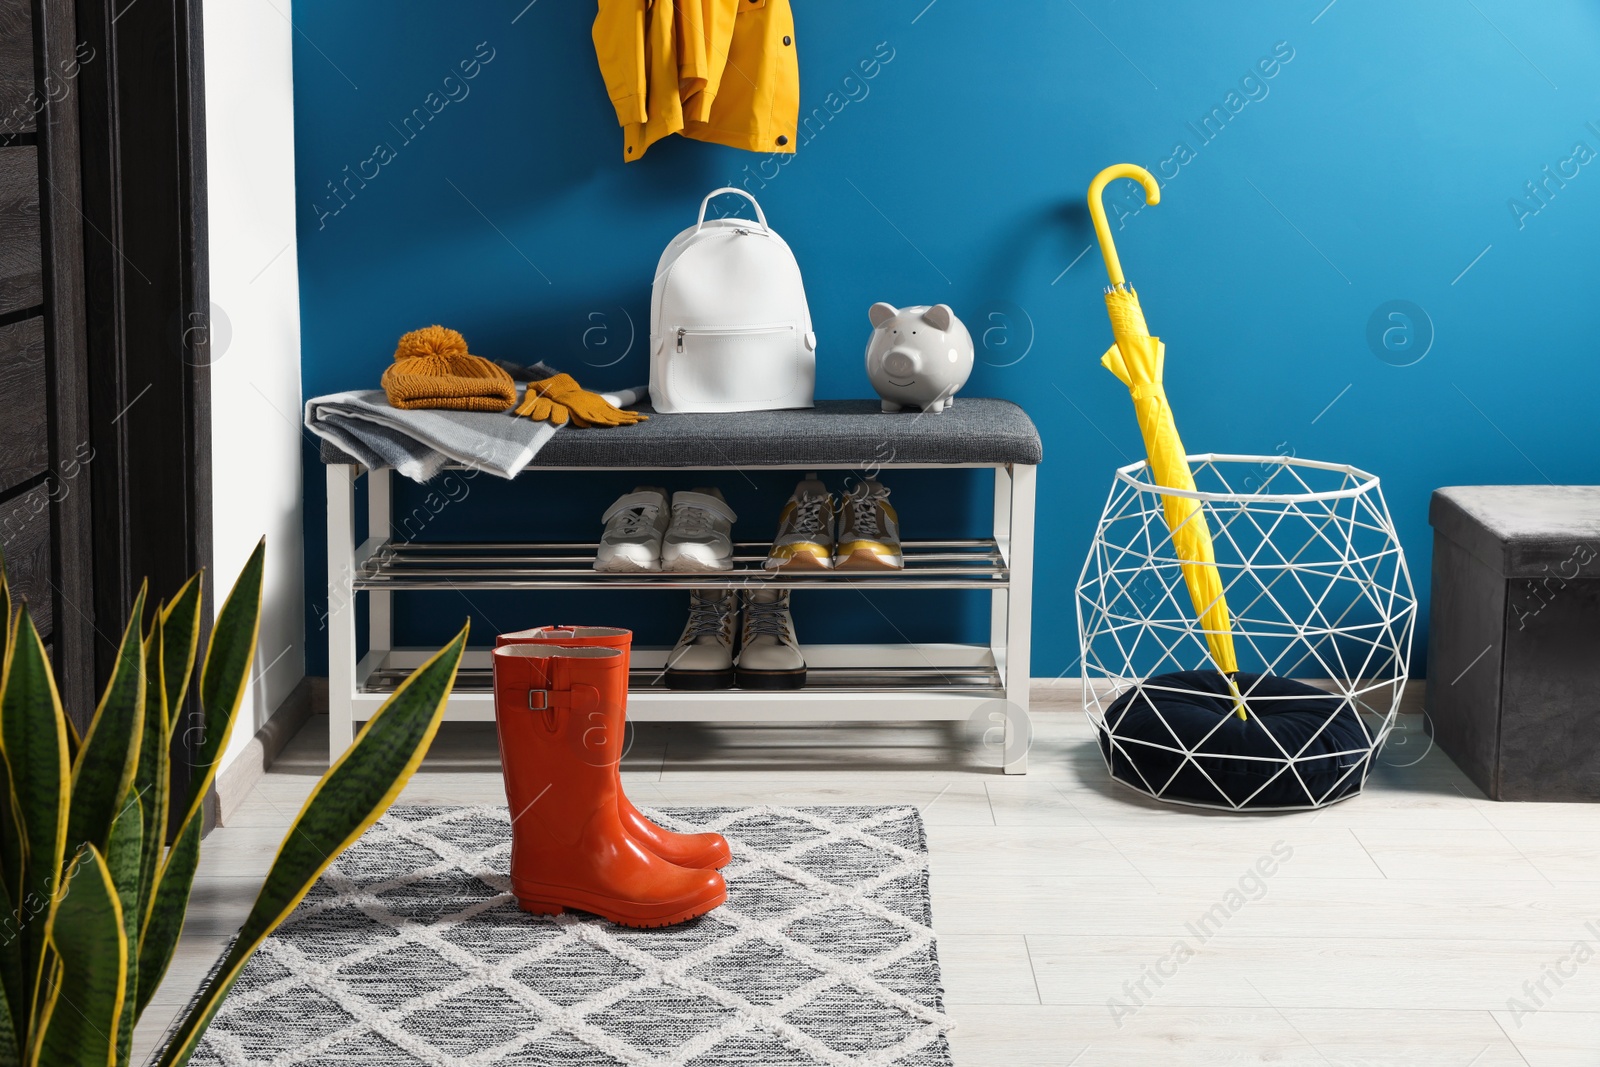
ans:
(33, 737)
(13, 990)
(222, 679)
(10, 1054)
(105, 765)
(49, 972)
(84, 1003)
(180, 625)
(227, 668)
(10, 835)
(152, 780)
(10, 831)
(163, 921)
(349, 799)
(74, 743)
(123, 863)
(11, 846)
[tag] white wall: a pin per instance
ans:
(255, 376)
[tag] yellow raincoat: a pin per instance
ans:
(715, 70)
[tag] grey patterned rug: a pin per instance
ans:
(410, 950)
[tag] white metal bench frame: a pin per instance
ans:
(1002, 702)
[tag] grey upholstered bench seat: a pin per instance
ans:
(975, 430)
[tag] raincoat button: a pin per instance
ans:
(787, 40)
(782, 140)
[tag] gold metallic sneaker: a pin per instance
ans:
(805, 529)
(869, 531)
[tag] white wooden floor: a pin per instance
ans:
(1399, 929)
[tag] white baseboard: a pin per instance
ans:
(238, 778)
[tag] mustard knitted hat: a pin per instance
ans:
(432, 369)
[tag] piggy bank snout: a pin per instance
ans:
(902, 363)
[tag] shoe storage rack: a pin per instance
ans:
(982, 683)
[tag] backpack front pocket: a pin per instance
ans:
(739, 365)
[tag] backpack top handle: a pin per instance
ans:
(761, 217)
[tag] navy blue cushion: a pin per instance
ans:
(1322, 733)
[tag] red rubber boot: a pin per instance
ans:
(686, 850)
(558, 749)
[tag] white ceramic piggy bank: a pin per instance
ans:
(917, 356)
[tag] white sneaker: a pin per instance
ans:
(769, 653)
(703, 656)
(805, 529)
(635, 523)
(869, 530)
(701, 535)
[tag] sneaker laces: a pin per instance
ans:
(766, 618)
(807, 518)
(708, 615)
(863, 503)
(696, 522)
(634, 521)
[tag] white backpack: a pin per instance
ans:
(729, 325)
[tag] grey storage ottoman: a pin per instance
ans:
(1514, 648)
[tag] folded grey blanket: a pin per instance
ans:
(419, 442)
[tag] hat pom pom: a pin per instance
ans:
(431, 342)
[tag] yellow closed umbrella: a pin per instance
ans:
(1137, 360)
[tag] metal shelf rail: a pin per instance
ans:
(984, 683)
(406, 565)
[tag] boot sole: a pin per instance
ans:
(700, 680)
(771, 679)
(562, 900)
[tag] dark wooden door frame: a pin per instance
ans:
(141, 118)
(58, 62)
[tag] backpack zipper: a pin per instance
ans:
(779, 327)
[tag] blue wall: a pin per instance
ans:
(1383, 160)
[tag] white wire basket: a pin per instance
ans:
(1317, 586)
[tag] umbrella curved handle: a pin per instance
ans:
(1097, 209)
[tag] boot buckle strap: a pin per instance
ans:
(578, 698)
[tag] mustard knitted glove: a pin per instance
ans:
(561, 398)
